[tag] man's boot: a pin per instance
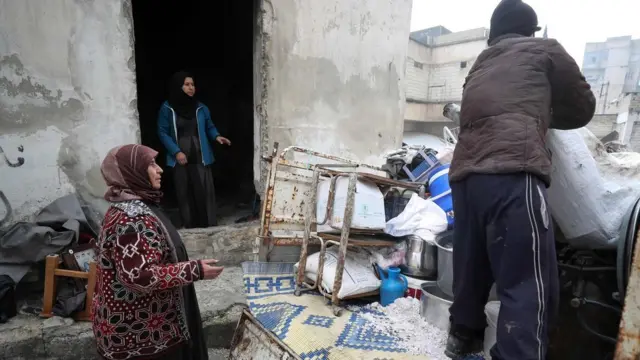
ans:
(463, 341)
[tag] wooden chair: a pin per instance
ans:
(52, 271)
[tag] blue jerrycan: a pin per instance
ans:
(394, 285)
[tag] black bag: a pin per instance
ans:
(8, 306)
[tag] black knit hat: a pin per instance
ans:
(513, 17)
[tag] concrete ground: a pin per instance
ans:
(218, 354)
(29, 337)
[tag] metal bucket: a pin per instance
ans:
(444, 242)
(492, 309)
(421, 259)
(434, 306)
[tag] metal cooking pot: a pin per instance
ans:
(434, 306)
(421, 258)
(444, 243)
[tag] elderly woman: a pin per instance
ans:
(186, 130)
(145, 304)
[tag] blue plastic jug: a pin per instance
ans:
(394, 285)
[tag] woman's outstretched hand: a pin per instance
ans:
(181, 158)
(209, 271)
(223, 140)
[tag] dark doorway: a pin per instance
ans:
(214, 41)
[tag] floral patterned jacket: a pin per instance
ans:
(138, 308)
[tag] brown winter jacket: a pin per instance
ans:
(517, 89)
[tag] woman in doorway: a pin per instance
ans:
(145, 304)
(186, 130)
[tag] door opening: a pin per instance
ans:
(213, 41)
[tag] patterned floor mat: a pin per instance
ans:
(307, 325)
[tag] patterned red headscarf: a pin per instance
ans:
(124, 169)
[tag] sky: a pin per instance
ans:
(572, 22)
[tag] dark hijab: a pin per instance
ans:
(513, 17)
(124, 169)
(183, 104)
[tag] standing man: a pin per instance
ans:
(518, 88)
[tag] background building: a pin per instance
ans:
(612, 68)
(438, 61)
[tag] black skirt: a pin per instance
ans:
(195, 190)
(196, 195)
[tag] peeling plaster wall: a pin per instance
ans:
(332, 76)
(67, 95)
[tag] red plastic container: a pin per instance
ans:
(415, 287)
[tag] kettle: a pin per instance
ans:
(394, 285)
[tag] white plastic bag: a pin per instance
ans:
(358, 276)
(591, 190)
(421, 217)
(445, 155)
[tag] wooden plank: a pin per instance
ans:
(72, 274)
(51, 264)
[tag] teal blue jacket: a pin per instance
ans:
(167, 131)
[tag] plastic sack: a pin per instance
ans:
(591, 190)
(421, 217)
(358, 276)
(368, 207)
(445, 155)
(393, 256)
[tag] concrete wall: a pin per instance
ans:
(451, 65)
(632, 80)
(333, 75)
(633, 120)
(67, 95)
(329, 76)
(477, 34)
(601, 125)
(418, 70)
(435, 128)
(634, 139)
(634, 103)
(425, 112)
(626, 123)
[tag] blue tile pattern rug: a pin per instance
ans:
(307, 325)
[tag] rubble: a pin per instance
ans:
(231, 244)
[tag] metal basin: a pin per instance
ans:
(434, 306)
(445, 266)
(421, 259)
(444, 243)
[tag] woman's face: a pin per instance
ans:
(189, 87)
(155, 174)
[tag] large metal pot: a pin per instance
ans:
(444, 243)
(421, 258)
(434, 306)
